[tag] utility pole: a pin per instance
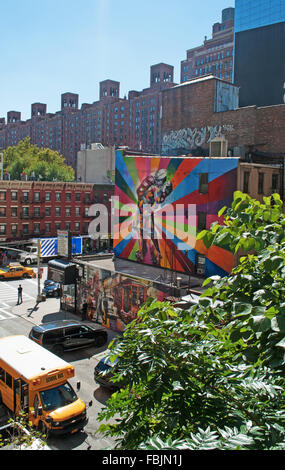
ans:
(38, 266)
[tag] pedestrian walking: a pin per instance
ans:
(20, 296)
(84, 311)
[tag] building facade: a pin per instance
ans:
(215, 55)
(40, 209)
(259, 65)
(111, 121)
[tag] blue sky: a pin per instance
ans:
(49, 47)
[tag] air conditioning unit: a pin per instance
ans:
(200, 271)
(218, 147)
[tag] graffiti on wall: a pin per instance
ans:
(189, 139)
(114, 299)
(171, 188)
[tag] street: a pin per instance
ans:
(84, 360)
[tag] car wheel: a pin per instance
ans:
(58, 350)
(2, 278)
(28, 262)
(25, 276)
(99, 341)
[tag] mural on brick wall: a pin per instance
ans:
(187, 140)
(114, 299)
(160, 203)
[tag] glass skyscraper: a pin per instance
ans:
(259, 57)
(250, 14)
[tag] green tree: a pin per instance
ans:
(46, 164)
(211, 377)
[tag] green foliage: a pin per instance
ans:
(22, 435)
(249, 225)
(211, 377)
(27, 158)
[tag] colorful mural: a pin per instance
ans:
(114, 299)
(159, 202)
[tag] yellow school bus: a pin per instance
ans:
(35, 381)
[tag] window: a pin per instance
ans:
(36, 228)
(25, 212)
(37, 196)
(2, 229)
(14, 229)
(57, 211)
(47, 211)
(47, 228)
(203, 183)
(25, 196)
(77, 211)
(68, 197)
(47, 196)
(25, 229)
(57, 227)
(2, 374)
(67, 211)
(37, 212)
(57, 196)
(2, 195)
(87, 197)
(2, 211)
(202, 221)
(86, 211)
(77, 226)
(260, 183)
(246, 181)
(67, 226)
(274, 182)
(9, 380)
(14, 211)
(14, 195)
(77, 197)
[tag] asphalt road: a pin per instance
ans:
(84, 362)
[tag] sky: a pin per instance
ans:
(49, 47)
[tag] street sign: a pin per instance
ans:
(63, 243)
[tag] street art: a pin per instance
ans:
(189, 139)
(167, 186)
(114, 299)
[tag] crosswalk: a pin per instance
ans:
(8, 299)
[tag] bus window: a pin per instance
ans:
(2, 374)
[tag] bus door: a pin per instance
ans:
(21, 396)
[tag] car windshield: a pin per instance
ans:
(57, 397)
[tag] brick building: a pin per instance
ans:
(215, 55)
(33, 209)
(198, 111)
(133, 122)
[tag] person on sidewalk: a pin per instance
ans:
(20, 296)
(84, 311)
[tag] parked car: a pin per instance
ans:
(67, 335)
(103, 373)
(16, 270)
(51, 289)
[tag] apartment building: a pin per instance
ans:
(215, 55)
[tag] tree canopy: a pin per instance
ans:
(43, 163)
(213, 376)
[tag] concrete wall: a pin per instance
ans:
(96, 165)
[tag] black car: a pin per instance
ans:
(67, 335)
(103, 373)
(51, 289)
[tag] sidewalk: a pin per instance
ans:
(43, 312)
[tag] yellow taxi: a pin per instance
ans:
(16, 271)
